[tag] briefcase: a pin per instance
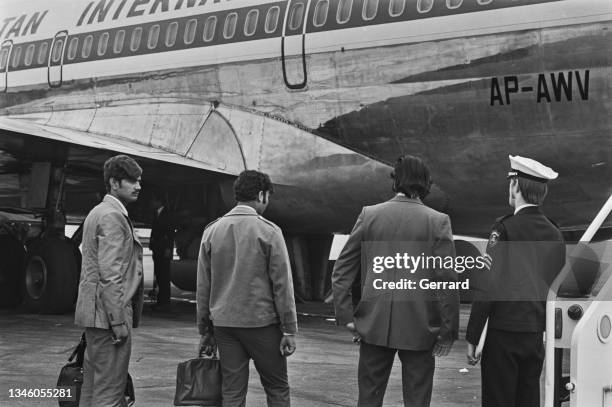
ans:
(71, 376)
(198, 382)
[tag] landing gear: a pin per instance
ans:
(51, 276)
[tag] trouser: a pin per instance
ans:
(105, 369)
(375, 363)
(511, 368)
(161, 270)
(236, 347)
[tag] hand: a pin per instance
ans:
(208, 344)
(120, 334)
(356, 337)
(287, 345)
(442, 347)
(472, 355)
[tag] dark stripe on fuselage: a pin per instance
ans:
(356, 19)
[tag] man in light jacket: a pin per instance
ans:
(415, 324)
(245, 295)
(110, 297)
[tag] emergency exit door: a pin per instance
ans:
(5, 57)
(293, 42)
(55, 64)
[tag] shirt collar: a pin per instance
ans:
(123, 210)
(522, 207)
(247, 206)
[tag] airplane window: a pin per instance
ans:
(72, 48)
(230, 25)
(153, 36)
(453, 3)
(16, 56)
(3, 57)
(136, 38)
(250, 25)
(171, 32)
(484, 2)
(29, 55)
(190, 31)
(424, 6)
(296, 15)
(370, 8)
(209, 28)
(344, 11)
(396, 7)
(119, 39)
(272, 19)
(42, 53)
(103, 44)
(56, 53)
(87, 45)
(320, 14)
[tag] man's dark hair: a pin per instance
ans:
(249, 183)
(411, 177)
(121, 167)
(533, 192)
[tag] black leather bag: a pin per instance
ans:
(71, 376)
(198, 382)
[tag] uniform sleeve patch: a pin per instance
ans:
(494, 238)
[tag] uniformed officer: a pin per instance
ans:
(525, 253)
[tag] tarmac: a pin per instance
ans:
(322, 372)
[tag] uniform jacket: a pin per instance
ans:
(111, 285)
(244, 276)
(397, 319)
(522, 269)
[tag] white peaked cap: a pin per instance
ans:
(530, 169)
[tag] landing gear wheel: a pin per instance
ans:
(51, 276)
(12, 261)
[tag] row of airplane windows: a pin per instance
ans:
(296, 17)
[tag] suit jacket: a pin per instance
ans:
(521, 270)
(399, 319)
(244, 275)
(111, 285)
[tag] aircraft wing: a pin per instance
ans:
(110, 143)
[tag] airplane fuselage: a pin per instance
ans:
(460, 83)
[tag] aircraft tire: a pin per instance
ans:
(12, 262)
(51, 276)
(183, 274)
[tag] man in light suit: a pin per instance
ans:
(110, 297)
(416, 325)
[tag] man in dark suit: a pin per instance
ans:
(386, 322)
(162, 246)
(525, 253)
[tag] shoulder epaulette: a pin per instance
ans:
(268, 222)
(211, 223)
(503, 218)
